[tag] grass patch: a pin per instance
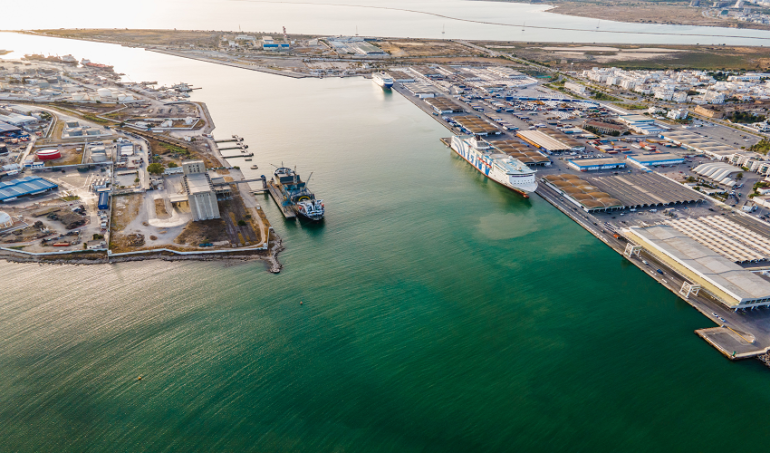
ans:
(631, 106)
(95, 119)
(762, 147)
(70, 198)
(599, 96)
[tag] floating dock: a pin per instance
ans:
(235, 156)
(288, 212)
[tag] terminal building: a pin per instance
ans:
(703, 268)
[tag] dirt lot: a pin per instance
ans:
(125, 208)
(160, 209)
(69, 156)
(419, 48)
(236, 226)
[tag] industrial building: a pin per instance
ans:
(354, 45)
(476, 126)
(200, 192)
(28, 185)
(604, 127)
(443, 105)
(550, 141)
(655, 160)
(645, 190)
(581, 193)
(400, 76)
(520, 151)
(598, 164)
(699, 144)
(104, 201)
(734, 242)
(718, 171)
(421, 90)
(705, 269)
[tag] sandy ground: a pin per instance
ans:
(654, 13)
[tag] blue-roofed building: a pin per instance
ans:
(598, 164)
(654, 160)
(28, 185)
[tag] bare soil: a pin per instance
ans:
(160, 209)
(124, 210)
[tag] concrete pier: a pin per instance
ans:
(287, 211)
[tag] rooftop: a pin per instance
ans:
(714, 268)
(198, 183)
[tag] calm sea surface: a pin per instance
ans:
(441, 312)
(459, 19)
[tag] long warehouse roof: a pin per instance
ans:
(543, 140)
(24, 186)
(706, 263)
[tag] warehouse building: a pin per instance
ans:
(28, 185)
(718, 171)
(443, 105)
(732, 285)
(521, 152)
(543, 141)
(476, 126)
(645, 190)
(400, 76)
(655, 160)
(602, 163)
(733, 241)
(699, 144)
(421, 90)
(582, 194)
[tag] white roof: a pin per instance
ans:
(4, 217)
(708, 264)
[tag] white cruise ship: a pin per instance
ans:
(495, 165)
(383, 80)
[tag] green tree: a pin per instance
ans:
(155, 169)
(172, 165)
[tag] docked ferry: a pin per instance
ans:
(495, 165)
(383, 80)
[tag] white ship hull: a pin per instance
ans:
(502, 169)
(383, 81)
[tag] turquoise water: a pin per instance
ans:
(440, 313)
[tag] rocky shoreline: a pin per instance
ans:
(270, 258)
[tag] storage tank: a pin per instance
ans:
(49, 154)
(5, 220)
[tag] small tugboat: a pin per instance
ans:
(293, 196)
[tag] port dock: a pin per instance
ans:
(287, 211)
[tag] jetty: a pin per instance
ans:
(287, 211)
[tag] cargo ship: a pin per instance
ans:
(495, 165)
(293, 196)
(383, 80)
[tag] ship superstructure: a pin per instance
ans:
(383, 80)
(495, 165)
